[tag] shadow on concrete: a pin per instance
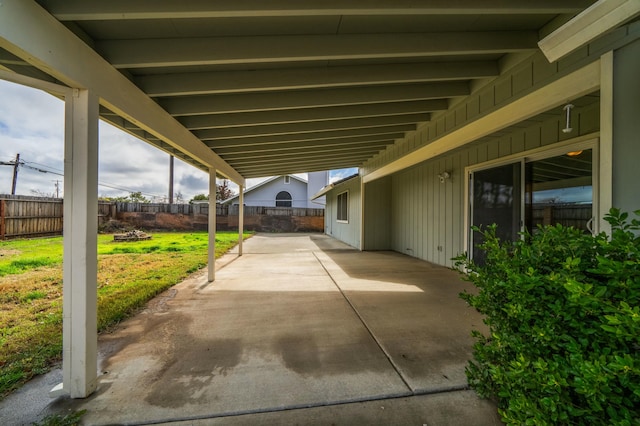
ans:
(298, 321)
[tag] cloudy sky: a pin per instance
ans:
(32, 124)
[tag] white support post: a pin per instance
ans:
(80, 267)
(605, 167)
(212, 225)
(240, 219)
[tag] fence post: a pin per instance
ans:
(2, 222)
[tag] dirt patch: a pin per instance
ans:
(114, 226)
(8, 252)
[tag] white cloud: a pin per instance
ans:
(32, 124)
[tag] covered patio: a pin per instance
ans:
(248, 89)
(301, 328)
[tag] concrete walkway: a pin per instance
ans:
(299, 330)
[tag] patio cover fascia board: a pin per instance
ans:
(599, 18)
(28, 31)
(571, 86)
(158, 9)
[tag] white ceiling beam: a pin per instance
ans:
(78, 10)
(29, 32)
(247, 102)
(318, 156)
(601, 17)
(305, 137)
(175, 52)
(385, 139)
(295, 167)
(218, 121)
(293, 154)
(219, 82)
(373, 140)
(314, 126)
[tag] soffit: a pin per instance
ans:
(285, 87)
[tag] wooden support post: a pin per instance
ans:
(240, 219)
(80, 264)
(212, 225)
(3, 206)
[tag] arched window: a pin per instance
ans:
(283, 199)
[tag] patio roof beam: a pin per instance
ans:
(300, 167)
(355, 147)
(248, 102)
(298, 128)
(319, 155)
(308, 137)
(175, 52)
(203, 83)
(81, 10)
(213, 121)
(386, 139)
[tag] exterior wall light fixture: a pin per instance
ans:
(444, 176)
(567, 128)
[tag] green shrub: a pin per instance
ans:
(563, 310)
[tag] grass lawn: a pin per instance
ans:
(129, 274)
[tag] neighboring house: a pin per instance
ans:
(284, 191)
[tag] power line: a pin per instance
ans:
(44, 165)
(23, 163)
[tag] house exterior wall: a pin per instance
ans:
(315, 182)
(531, 73)
(266, 194)
(377, 215)
(348, 232)
(626, 127)
(426, 218)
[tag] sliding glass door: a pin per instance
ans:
(496, 198)
(559, 190)
(546, 188)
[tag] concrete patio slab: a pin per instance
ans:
(300, 329)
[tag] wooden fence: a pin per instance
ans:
(22, 216)
(25, 216)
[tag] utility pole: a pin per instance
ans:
(57, 184)
(171, 179)
(15, 174)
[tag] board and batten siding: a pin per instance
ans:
(348, 232)
(519, 78)
(377, 217)
(427, 216)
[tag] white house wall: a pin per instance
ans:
(349, 232)
(626, 128)
(266, 195)
(377, 205)
(315, 182)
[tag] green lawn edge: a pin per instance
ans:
(37, 348)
